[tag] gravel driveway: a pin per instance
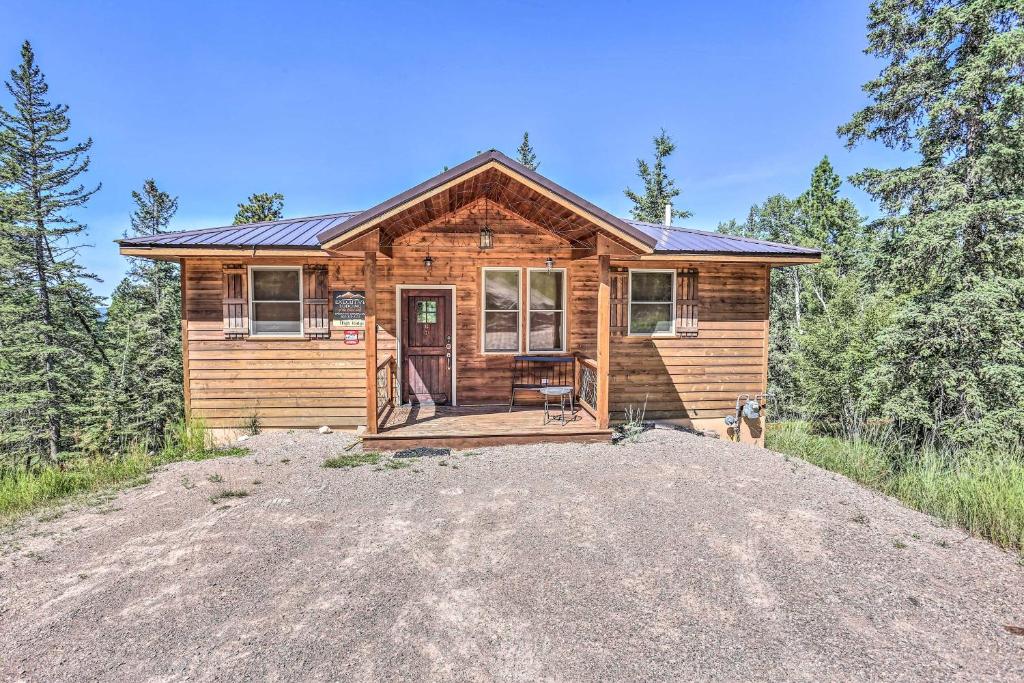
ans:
(679, 557)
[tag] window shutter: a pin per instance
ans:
(315, 320)
(619, 281)
(236, 304)
(686, 303)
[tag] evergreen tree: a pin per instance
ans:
(952, 90)
(259, 208)
(527, 157)
(659, 188)
(140, 394)
(47, 330)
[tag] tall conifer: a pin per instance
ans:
(659, 188)
(260, 207)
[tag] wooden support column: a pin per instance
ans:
(370, 282)
(184, 337)
(604, 322)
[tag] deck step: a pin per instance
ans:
(393, 442)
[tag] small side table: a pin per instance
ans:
(564, 396)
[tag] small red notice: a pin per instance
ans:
(351, 336)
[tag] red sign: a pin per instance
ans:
(351, 336)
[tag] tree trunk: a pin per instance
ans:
(46, 315)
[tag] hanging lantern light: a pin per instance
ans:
(486, 237)
(428, 262)
(550, 263)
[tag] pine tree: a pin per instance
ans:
(952, 361)
(659, 188)
(259, 208)
(141, 392)
(48, 314)
(527, 157)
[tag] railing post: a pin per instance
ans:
(604, 322)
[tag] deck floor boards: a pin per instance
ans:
(481, 426)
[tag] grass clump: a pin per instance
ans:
(228, 493)
(353, 460)
(981, 491)
(25, 489)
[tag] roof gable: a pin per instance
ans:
(502, 180)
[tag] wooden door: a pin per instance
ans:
(427, 345)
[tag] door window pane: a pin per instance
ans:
(426, 312)
(651, 304)
(546, 311)
(501, 311)
(276, 302)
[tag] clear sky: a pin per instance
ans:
(339, 106)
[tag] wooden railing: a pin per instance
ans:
(586, 382)
(387, 387)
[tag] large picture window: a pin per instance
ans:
(652, 302)
(276, 301)
(501, 310)
(546, 310)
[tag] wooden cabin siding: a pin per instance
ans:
(294, 383)
(698, 377)
(286, 382)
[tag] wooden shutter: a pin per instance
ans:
(236, 302)
(619, 280)
(686, 303)
(315, 319)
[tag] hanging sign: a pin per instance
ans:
(348, 309)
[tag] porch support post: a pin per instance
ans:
(604, 326)
(370, 282)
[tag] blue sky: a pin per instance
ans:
(340, 106)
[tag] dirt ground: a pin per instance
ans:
(678, 557)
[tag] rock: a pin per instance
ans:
(325, 430)
(243, 437)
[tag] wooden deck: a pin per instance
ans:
(472, 426)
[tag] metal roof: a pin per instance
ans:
(285, 233)
(676, 240)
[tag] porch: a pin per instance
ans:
(408, 426)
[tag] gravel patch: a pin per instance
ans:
(677, 557)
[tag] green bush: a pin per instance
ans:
(979, 490)
(25, 489)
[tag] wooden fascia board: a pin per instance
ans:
(774, 261)
(493, 164)
(175, 253)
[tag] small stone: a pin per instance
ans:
(243, 437)
(324, 430)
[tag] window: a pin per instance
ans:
(545, 321)
(501, 310)
(276, 301)
(426, 312)
(652, 302)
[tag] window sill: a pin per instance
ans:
(277, 337)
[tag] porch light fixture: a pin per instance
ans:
(550, 263)
(428, 263)
(486, 237)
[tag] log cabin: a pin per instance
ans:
(470, 310)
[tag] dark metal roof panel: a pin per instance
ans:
(285, 233)
(675, 240)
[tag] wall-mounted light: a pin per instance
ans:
(550, 263)
(486, 237)
(428, 263)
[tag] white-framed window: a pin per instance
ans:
(652, 302)
(545, 310)
(501, 310)
(275, 302)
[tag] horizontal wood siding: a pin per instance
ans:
(286, 383)
(697, 377)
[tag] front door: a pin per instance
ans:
(427, 345)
